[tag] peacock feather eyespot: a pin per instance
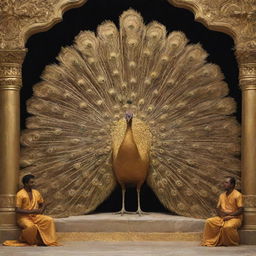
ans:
(71, 192)
(51, 150)
(58, 131)
(154, 75)
(83, 105)
(147, 53)
(132, 64)
(147, 82)
(191, 129)
(150, 109)
(77, 166)
(161, 190)
(99, 102)
(75, 141)
(133, 80)
(66, 115)
(81, 82)
(189, 192)
(195, 181)
(179, 183)
(170, 82)
(115, 73)
(181, 206)
(67, 95)
(132, 43)
(174, 192)
(88, 44)
(91, 60)
(101, 79)
(112, 91)
(124, 85)
(195, 145)
(203, 193)
(164, 59)
(141, 102)
(113, 56)
(153, 35)
(174, 45)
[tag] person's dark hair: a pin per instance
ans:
(232, 180)
(27, 178)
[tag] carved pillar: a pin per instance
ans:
(19, 20)
(247, 77)
(237, 18)
(10, 84)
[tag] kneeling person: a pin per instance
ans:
(222, 230)
(37, 229)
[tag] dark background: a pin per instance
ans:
(44, 47)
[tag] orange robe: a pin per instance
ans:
(220, 232)
(36, 228)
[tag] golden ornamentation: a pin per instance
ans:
(128, 236)
(10, 69)
(250, 201)
(236, 18)
(7, 201)
(20, 19)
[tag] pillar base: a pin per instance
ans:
(9, 233)
(247, 236)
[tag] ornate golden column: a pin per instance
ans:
(10, 84)
(246, 54)
(237, 18)
(19, 20)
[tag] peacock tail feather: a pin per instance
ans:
(182, 116)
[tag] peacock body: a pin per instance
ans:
(182, 139)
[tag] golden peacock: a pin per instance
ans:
(130, 106)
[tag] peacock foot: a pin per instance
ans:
(140, 212)
(122, 212)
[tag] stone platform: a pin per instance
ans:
(129, 227)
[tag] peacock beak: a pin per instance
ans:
(128, 116)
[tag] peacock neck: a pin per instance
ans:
(128, 148)
(129, 124)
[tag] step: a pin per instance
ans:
(129, 227)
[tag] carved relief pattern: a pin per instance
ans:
(250, 201)
(10, 69)
(237, 18)
(7, 201)
(19, 17)
(247, 75)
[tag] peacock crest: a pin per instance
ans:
(182, 119)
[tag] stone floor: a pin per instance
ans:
(173, 248)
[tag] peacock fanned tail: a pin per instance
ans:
(181, 114)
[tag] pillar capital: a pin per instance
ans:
(246, 56)
(10, 69)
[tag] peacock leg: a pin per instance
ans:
(139, 211)
(123, 202)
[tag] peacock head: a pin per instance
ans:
(128, 116)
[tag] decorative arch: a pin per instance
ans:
(20, 19)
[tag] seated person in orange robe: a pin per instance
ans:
(222, 230)
(37, 229)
